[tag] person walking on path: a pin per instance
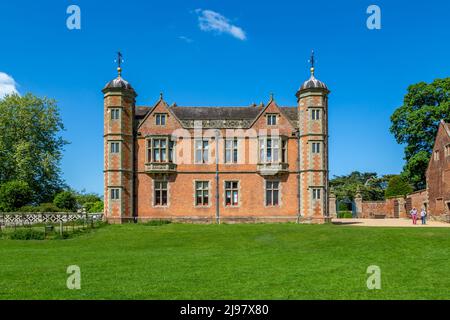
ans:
(414, 215)
(423, 216)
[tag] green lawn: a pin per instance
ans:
(278, 261)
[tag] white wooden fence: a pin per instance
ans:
(27, 219)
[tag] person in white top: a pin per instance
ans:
(423, 216)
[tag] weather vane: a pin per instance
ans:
(119, 62)
(311, 60)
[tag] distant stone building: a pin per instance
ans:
(438, 173)
(211, 164)
(435, 198)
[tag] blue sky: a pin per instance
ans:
(264, 48)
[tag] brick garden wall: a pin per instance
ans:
(417, 200)
(398, 207)
(370, 208)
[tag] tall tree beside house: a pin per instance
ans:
(415, 124)
(368, 184)
(398, 186)
(30, 144)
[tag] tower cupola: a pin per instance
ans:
(312, 83)
(118, 83)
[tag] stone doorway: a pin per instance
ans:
(346, 205)
(396, 209)
(408, 205)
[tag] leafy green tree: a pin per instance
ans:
(415, 169)
(14, 195)
(84, 198)
(415, 124)
(398, 186)
(30, 145)
(66, 200)
(94, 207)
(28, 209)
(369, 184)
(44, 208)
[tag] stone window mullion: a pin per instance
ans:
(202, 193)
(232, 193)
(272, 196)
(284, 146)
(161, 193)
(262, 150)
(280, 150)
(167, 150)
(149, 150)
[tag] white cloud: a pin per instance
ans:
(185, 39)
(7, 85)
(213, 21)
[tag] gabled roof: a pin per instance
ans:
(247, 114)
(272, 102)
(291, 113)
(446, 127)
(142, 112)
(216, 113)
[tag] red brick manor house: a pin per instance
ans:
(216, 164)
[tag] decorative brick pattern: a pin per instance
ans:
(300, 173)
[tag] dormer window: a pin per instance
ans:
(272, 119)
(161, 119)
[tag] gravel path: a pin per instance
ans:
(389, 223)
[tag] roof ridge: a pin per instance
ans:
(210, 106)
